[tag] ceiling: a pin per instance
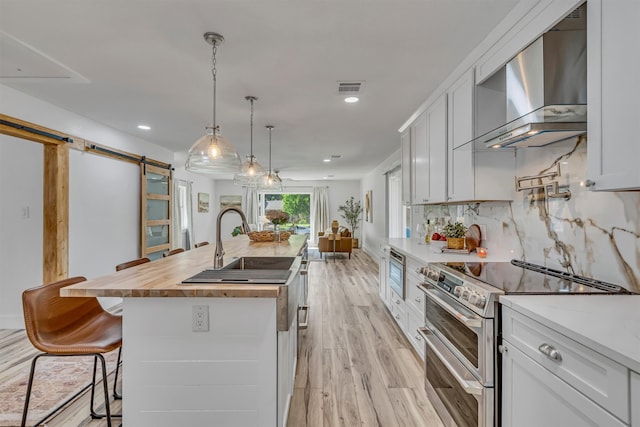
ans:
(124, 63)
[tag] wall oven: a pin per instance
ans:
(396, 272)
(459, 335)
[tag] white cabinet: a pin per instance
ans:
(635, 398)
(383, 276)
(460, 182)
(437, 151)
(613, 100)
(575, 385)
(419, 160)
(287, 360)
(405, 140)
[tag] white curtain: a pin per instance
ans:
(319, 211)
(250, 206)
(182, 216)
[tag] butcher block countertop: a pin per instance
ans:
(163, 277)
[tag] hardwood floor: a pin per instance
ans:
(355, 367)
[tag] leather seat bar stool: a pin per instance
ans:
(172, 252)
(70, 326)
(132, 263)
(201, 244)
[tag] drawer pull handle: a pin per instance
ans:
(550, 352)
(417, 299)
(418, 337)
(397, 316)
(397, 301)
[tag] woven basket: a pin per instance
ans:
(266, 236)
(455, 242)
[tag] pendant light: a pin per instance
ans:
(212, 153)
(251, 171)
(270, 181)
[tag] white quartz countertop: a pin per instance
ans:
(427, 253)
(609, 324)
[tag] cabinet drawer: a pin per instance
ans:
(398, 311)
(599, 378)
(415, 297)
(414, 323)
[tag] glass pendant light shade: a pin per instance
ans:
(250, 173)
(212, 154)
(270, 181)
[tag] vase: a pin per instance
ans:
(334, 226)
(276, 232)
(455, 242)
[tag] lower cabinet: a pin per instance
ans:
(287, 360)
(551, 380)
(635, 398)
(383, 276)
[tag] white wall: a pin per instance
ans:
(375, 232)
(21, 166)
(104, 197)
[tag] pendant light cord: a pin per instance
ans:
(214, 72)
(251, 134)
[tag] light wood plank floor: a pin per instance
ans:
(355, 367)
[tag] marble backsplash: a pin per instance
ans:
(593, 234)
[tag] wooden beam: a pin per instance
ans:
(55, 245)
(26, 134)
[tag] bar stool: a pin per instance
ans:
(132, 263)
(70, 326)
(201, 244)
(172, 252)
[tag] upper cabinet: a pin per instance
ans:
(460, 179)
(613, 62)
(405, 141)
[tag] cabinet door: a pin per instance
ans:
(383, 289)
(419, 155)
(460, 182)
(613, 62)
(406, 166)
(532, 396)
(437, 150)
(635, 398)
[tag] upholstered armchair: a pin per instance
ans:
(343, 241)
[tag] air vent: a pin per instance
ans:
(575, 14)
(350, 87)
(335, 156)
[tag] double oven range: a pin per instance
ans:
(462, 330)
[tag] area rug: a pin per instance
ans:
(56, 380)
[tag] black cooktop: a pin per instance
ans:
(519, 277)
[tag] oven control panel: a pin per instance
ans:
(458, 287)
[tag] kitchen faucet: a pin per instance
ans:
(218, 257)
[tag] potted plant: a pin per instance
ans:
(455, 234)
(351, 212)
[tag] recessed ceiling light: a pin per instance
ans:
(144, 127)
(326, 160)
(351, 99)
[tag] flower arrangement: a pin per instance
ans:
(277, 217)
(455, 230)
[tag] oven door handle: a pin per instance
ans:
(469, 386)
(469, 322)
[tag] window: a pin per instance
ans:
(297, 205)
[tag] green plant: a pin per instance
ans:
(455, 230)
(236, 231)
(352, 211)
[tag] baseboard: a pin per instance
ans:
(8, 321)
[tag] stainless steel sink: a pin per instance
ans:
(250, 270)
(260, 263)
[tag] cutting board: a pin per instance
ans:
(474, 237)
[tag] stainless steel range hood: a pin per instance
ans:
(546, 89)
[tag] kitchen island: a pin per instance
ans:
(238, 371)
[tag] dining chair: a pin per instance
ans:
(201, 244)
(132, 263)
(172, 252)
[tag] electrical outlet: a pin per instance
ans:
(200, 318)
